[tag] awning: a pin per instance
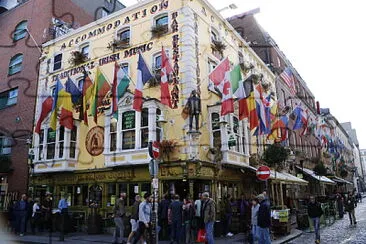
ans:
(340, 180)
(288, 178)
(316, 177)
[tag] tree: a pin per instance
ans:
(275, 155)
(343, 173)
(320, 169)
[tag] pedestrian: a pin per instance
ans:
(36, 216)
(176, 215)
(63, 207)
(340, 206)
(46, 209)
(119, 213)
(198, 220)
(254, 221)
(359, 196)
(243, 213)
(29, 213)
(209, 216)
(228, 208)
(315, 212)
(163, 217)
(144, 219)
(350, 206)
(264, 220)
(188, 216)
(21, 210)
(134, 218)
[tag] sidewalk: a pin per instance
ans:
(83, 238)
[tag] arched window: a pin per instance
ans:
(15, 64)
(20, 31)
(124, 36)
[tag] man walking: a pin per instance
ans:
(228, 216)
(176, 213)
(264, 220)
(209, 216)
(144, 219)
(20, 209)
(134, 218)
(350, 208)
(315, 212)
(119, 214)
(63, 207)
(163, 216)
(255, 209)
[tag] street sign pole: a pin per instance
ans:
(154, 172)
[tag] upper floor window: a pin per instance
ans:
(236, 135)
(104, 12)
(15, 64)
(214, 36)
(20, 31)
(57, 62)
(128, 130)
(85, 50)
(161, 20)
(156, 62)
(8, 98)
(125, 67)
(5, 145)
(124, 35)
(216, 132)
(160, 25)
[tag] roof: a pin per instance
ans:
(315, 176)
(340, 180)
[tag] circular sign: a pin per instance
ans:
(94, 141)
(155, 149)
(263, 173)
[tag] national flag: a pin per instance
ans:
(301, 120)
(44, 108)
(71, 88)
(166, 70)
(120, 84)
(143, 76)
(87, 93)
(289, 79)
(65, 103)
(101, 88)
(262, 108)
(58, 88)
(220, 77)
(279, 129)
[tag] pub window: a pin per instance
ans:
(40, 147)
(216, 133)
(144, 128)
(113, 137)
(81, 195)
(145, 188)
(57, 62)
(85, 50)
(15, 64)
(61, 141)
(111, 194)
(5, 145)
(20, 31)
(158, 129)
(236, 134)
(124, 35)
(8, 98)
(51, 143)
(73, 137)
(128, 130)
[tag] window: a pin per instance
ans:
(211, 65)
(125, 68)
(104, 12)
(216, 132)
(158, 129)
(5, 145)
(8, 98)
(73, 138)
(85, 50)
(51, 143)
(241, 57)
(20, 31)
(80, 84)
(214, 36)
(57, 62)
(157, 62)
(61, 138)
(113, 137)
(40, 147)
(284, 97)
(162, 21)
(128, 130)
(124, 36)
(237, 135)
(144, 128)
(15, 64)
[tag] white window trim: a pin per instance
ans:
(128, 62)
(84, 44)
(157, 54)
(162, 14)
(53, 60)
(121, 29)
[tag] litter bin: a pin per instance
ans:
(218, 228)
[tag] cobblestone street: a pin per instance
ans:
(341, 232)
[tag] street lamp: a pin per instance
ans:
(231, 6)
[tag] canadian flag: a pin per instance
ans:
(166, 70)
(220, 78)
(45, 102)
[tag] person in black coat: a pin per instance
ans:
(21, 209)
(163, 217)
(350, 206)
(264, 220)
(315, 212)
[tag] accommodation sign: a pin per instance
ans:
(102, 29)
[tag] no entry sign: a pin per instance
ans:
(263, 173)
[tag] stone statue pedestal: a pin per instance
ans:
(193, 144)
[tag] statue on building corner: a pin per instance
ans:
(193, 108)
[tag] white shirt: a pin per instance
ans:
(197, 205)
(35, 208)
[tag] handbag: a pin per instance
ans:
(201, 237)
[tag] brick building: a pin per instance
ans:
(25, 25)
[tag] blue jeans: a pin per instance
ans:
(255, 233)
(209, 232)
(176, 230)
(263, 236)
(228, 218)
(316, 223)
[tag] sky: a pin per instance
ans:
(324, 42)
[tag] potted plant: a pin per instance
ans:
(246, 67)
(118, 44)
(77, 58)
(218, 46)
(159, 30)
(167, 147)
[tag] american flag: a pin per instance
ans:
(289, 79)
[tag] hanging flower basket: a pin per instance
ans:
(155, 81)
(77, 58)
(159, 30)
(167, 147)
(343, 173)
(320, 169)
(246, 67)
(218, 46)
(118, 45)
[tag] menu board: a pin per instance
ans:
(128, 120)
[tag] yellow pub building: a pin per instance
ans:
(93, 163)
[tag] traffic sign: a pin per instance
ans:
(263, 173)
(154, 151)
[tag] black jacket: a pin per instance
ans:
(314, 210)
(350, 203)
(264, 215)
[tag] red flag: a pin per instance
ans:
(166, 70)
(87, 93)
(45, 110)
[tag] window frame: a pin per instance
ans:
(10, 101)
(5, 145)
(15, 63)
(53, 62)
(123, 30)
(82, 47)
(20, 33)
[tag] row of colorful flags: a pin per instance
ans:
(92, 94)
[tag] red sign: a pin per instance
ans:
(263, 173)
(155, 149)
